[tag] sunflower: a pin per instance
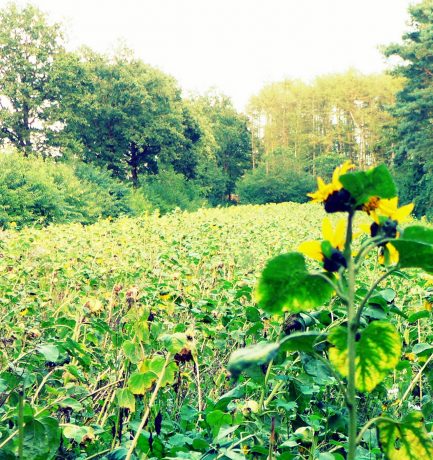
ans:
(387, 216)
(328, 251)
(388, 208)
(388, 255)
(333, 195)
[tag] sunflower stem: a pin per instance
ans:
(351, 339)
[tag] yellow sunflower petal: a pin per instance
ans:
(312, 249)
(388, 207)
(339, 235)
(393, 254)
(365, 228)
(327, 231)
(402, 214)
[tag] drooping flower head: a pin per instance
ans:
(333, 195)
(387, 216)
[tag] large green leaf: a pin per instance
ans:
(41, 439)
(132, 351)
(256, 355)
(302, 341)
(286, 285)
(174, 342)
(405, 440)
(365, 184)
(377, 352)
(415, 248)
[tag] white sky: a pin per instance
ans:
(237, 45)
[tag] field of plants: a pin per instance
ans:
(116, 338)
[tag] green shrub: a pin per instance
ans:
(113, 196)
(275, 186)
(38, 192)
(168, 190)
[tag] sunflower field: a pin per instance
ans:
(222, 334)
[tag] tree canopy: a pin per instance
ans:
(413, 111)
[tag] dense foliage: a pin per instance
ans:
(413, 138)
(112, 111)
(88, 309)
(37, 192)
(341, 115)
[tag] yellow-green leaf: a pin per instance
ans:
(140, 382)
(364, 184)
(126, 399)
(377, 352)
(405, 440)
(415, 248)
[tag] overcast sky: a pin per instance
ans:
(237, 45)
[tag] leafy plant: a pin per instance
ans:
(361, 350)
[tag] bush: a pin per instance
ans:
(37, 192)
(276, 186)
(168, 190)
(113, 197)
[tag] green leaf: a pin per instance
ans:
(377, 352)
(286, 285)
(256, 355)
(422, 349)
(418, 315)
(125, 399)
(363, 185)
(405, 440)
(41, 439)
(301, 341)
(77, 433)
(71, 403)
(216, 419)
(49, 351)
(174, 342)
(132, 351)
(415, 248)
(157, 364)
(140, 382)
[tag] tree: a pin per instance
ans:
(231, 153)
(28, 49)
(413, 135)
(339, 115)
(126, 116)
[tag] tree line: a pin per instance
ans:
(301, 129)
(121, 115)
(115, 112)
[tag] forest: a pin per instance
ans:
(180, 279)
(122, 127)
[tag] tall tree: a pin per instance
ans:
(341, 115)
(232, 153)
(29, 46)
(126, 116)
(413, 136)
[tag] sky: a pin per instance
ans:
(237, 46)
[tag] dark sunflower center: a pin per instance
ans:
(335, 261)
(340, 201)
(387, 229)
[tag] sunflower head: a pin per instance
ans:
(328, 251)
(388, 208)
(333, 195)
